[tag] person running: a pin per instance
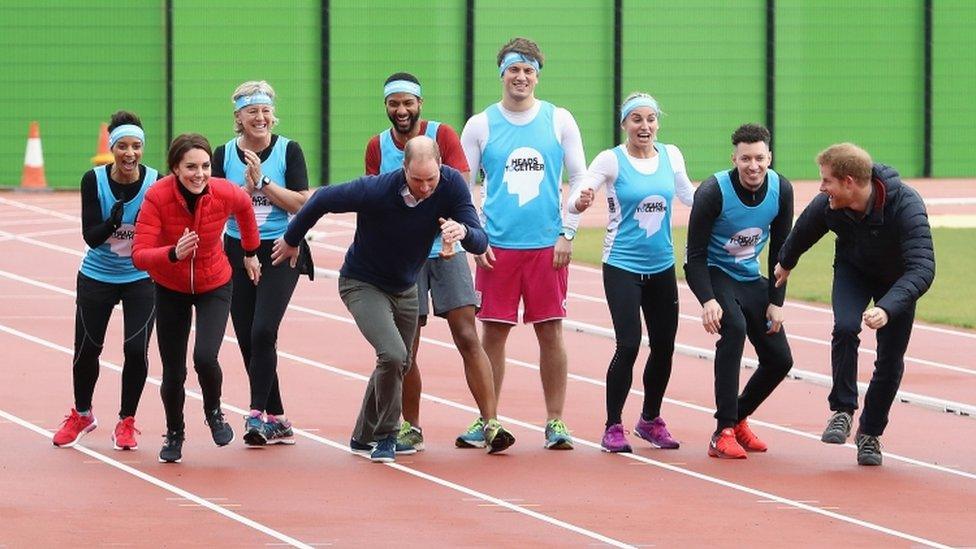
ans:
(447, 281)
(734, 215)
(398, 215)
(178, 243)
(642, 178)
(271, 169)
(883, 253)
(110, 199)
(522, 144)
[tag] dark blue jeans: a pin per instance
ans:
(852, 291)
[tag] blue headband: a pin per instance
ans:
(637, 102)
(256, 99)
(512, 58)
(401, 86)
(126, 130)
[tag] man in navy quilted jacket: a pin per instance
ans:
(883, 253)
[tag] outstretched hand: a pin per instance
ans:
(281, 251)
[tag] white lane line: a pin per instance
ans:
(502, 503)
(807, 307)
(816, 341)
(189, 496)
(329, 220)
(576, 377)
(331, 443)
(527, 425)
(943, 405)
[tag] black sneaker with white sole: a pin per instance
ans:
(172, 451)
(220, 429)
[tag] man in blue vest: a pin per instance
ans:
(446, 280)
(734, 215)
(522, 144)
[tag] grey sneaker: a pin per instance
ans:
(838, 428)
(868, 450)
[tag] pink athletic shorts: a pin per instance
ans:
(522, 274)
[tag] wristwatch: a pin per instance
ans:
(263, 182)
(568, 234)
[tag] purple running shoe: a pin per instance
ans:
(656, 432)
(614, 440)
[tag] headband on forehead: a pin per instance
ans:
(126, 130)
(256, 99)
(637, 102)
(513, 57)
(401, 86)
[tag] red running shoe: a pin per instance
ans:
(748, 439)
(124, 436)
(724, 445)
(73, 428)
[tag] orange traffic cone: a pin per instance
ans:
(104, 155)
(33, 177)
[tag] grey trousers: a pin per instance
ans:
(388, 321)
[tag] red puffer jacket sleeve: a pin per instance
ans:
(148, 252)
(243, 212)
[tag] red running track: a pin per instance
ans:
(800, 493)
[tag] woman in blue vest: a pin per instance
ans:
(642, 179)
(110, 200)
(271, 168)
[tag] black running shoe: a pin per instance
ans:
(172, 451)
(868, 450)
(838, 428)
(220, 429)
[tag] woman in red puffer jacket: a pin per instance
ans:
(178, 242)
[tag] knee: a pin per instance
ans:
(847, 328)
(396, 357)
(263, 336)
(205, 361)
(624, 357)
(733, 331)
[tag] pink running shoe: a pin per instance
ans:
(124, 436)
(614, 440)
(656, 432)
(73, 428)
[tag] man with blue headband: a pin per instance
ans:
(735, 213)
(447, 280)
(522, 144)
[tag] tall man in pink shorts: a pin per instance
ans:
(522, 144)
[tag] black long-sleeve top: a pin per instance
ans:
(95, 229)
(891, 244)
(706, 209)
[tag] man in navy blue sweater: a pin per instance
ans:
(398, 216)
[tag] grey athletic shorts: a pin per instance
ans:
(448, 281)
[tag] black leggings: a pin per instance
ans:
(744, 307)
(173, 315)
(257, 332)
(94, 303)
(627, 295)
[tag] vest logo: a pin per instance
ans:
(650, 213)
(120, 242)
(742, 245)
(524, 171)
(259, 199)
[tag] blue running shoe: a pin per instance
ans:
(474, 437)
(279, 432)
(557, 436)
(385, 451)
